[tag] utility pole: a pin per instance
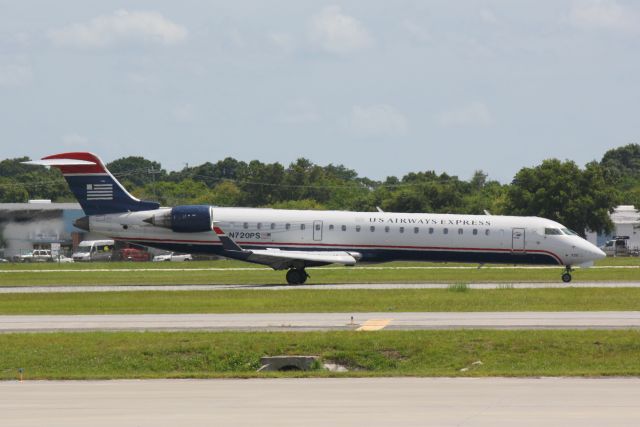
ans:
(153, 173)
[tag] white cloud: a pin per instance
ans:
(282, 41)
(487, 16)
(183, 113)
(74, 140)
(120, 27)
(377, 120)
(604, 15)
(417, 32)
(12, 75)
(299, 112)
(474, 114)
(334, 32)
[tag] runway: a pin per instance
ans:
(282, 287)
(372, 402)
(322, 321)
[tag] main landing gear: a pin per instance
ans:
(296, 276)
(566, 276)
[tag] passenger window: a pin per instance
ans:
(460, 231)
(357, 228)
(317, 227)
(287, 226)
(445, 231)
(245, 225)
(486, 232)
(430, 230)
(273, 225)
(302, 226)
(416, 230)
(402, 229)
(475, 231)
(344, 228)
(386, 229)
(331, 227)
(372, 228)
(259, 225)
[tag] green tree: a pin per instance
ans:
(226, 194)
(623, 163)
(136, 171)
(560, 191)
(12, 192)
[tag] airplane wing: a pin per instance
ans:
(279, 259)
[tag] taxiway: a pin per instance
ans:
(322, 321)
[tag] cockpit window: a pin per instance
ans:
(569, 232)
(552, 231)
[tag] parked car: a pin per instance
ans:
(619, 246)
(37, 255)
(62, 259)
(132, 254)
(94, 250)
(172, 256)
(3, 260)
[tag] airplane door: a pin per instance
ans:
(317, 231)
(517, 240)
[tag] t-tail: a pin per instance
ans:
(97, 191)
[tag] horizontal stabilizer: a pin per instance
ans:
(59, 162)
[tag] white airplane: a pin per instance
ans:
(293, 240)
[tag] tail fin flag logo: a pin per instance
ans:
(99, 191)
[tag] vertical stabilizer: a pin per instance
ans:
(97, 191)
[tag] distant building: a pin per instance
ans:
(626, 222)
(39, 224)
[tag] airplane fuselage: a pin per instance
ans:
(373, 236)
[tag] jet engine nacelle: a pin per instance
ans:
(184, 219)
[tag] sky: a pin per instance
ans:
(382, 87)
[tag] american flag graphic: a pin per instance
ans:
(99, 191)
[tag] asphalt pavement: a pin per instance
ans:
(322, 321)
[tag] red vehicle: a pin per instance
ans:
(133, 254)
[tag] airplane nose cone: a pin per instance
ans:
(595, 252)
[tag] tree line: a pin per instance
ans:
(579, 198)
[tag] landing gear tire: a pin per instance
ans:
(296, 276)
(566, 276)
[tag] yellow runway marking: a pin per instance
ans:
(374, 324)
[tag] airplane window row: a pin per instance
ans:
(416, 230)
(387, 229)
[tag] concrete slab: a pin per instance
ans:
(372, 402)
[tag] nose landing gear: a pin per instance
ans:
(566, 276)
(296, 276)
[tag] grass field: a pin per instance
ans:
(249, 301)
(385, 353)
(234, 272)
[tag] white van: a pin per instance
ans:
(94, 250)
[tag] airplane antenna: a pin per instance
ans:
(486, 212)
(379, 210)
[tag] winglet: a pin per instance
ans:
(227, 242)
